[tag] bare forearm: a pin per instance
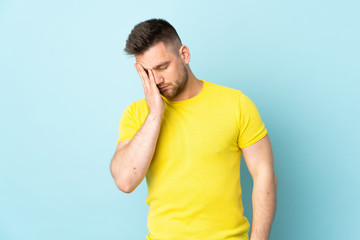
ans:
(264, 205)
(129, 166)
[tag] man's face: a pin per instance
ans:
(168, 68)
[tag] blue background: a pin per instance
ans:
(65, 82)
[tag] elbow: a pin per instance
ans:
(126, 190)
(120, 182)
(122, 186)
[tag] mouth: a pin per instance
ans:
(164, 87)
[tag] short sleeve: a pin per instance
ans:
(128, 125)
(251, 126)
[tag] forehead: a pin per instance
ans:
(155, 55)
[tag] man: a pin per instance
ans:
(186, 136)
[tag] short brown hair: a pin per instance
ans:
(150, 32)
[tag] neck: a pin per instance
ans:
(192, 88)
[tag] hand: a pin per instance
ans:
(153, 98)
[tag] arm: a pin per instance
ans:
(259, 160)
(132, 157)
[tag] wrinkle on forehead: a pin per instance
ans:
(156, 63)
(155, 55)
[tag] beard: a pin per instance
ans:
(178, 87)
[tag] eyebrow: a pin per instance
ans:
(161, 64)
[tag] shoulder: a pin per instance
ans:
(224, 91)
(138, 109)
(141, 103)
(138, 105)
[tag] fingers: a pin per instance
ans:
(152, 81)
(147, 78)
(138, 70)
(152, 93)
(143, 76)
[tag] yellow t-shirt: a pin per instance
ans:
(193, 180)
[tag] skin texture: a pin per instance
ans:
(177, 75)
(133, 156)
(259, 160)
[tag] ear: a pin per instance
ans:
(184, 54)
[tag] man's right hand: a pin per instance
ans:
(132, 158)
(154, 100)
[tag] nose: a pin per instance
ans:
(158, 78)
